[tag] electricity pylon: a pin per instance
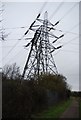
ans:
(40, 59)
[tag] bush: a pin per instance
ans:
(21, 100)
(55, 83)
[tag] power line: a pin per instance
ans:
(64, 34)
(18, 41)
(75, 44)
(66, 44)
(70, 51)
(16, 27)
(23, 36)
(70, 41)
(69, 11)
(14, 56)
(23, 27)
(68, 32)
(11, 49)
(43, 6)
(71, 29)
(52, 16)
(59, 6)
(66, 12)
(10, 46)
(40, 11)
(25, 33)
(54, 28)
(12, 39)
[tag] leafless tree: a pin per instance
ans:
(11, 71)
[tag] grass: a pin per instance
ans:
(55, 111)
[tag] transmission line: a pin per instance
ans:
(59, 6)
(66, 33)
(70, 41)
(43, 6)
(23, 36)
(11, 49)
(32, 26)
(25, 32)
(66, 44)
(69, 11)
(14, 56)
(66, 12)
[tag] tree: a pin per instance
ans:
(11, 72)
(55, 83)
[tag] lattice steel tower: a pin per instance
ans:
(40, 59)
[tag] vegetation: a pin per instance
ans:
(77, 96)
(54, 111)
(22, 98)
(55, 83)
(76, 93)
(80, 107)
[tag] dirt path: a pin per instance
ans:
(72, 111)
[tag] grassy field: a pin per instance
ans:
(54, 111)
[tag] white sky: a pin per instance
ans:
(19, 14)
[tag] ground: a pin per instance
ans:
(72, 111)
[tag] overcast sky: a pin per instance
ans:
(17, 15)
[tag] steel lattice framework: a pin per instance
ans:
(40, 59)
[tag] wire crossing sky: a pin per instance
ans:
(17, 18)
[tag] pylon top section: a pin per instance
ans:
(46, 15)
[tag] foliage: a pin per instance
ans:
(76, 93)
(54, 111)
(80, 107)
(21, 98)
(55, 83)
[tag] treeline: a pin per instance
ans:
(76, 93)
(23, 98)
